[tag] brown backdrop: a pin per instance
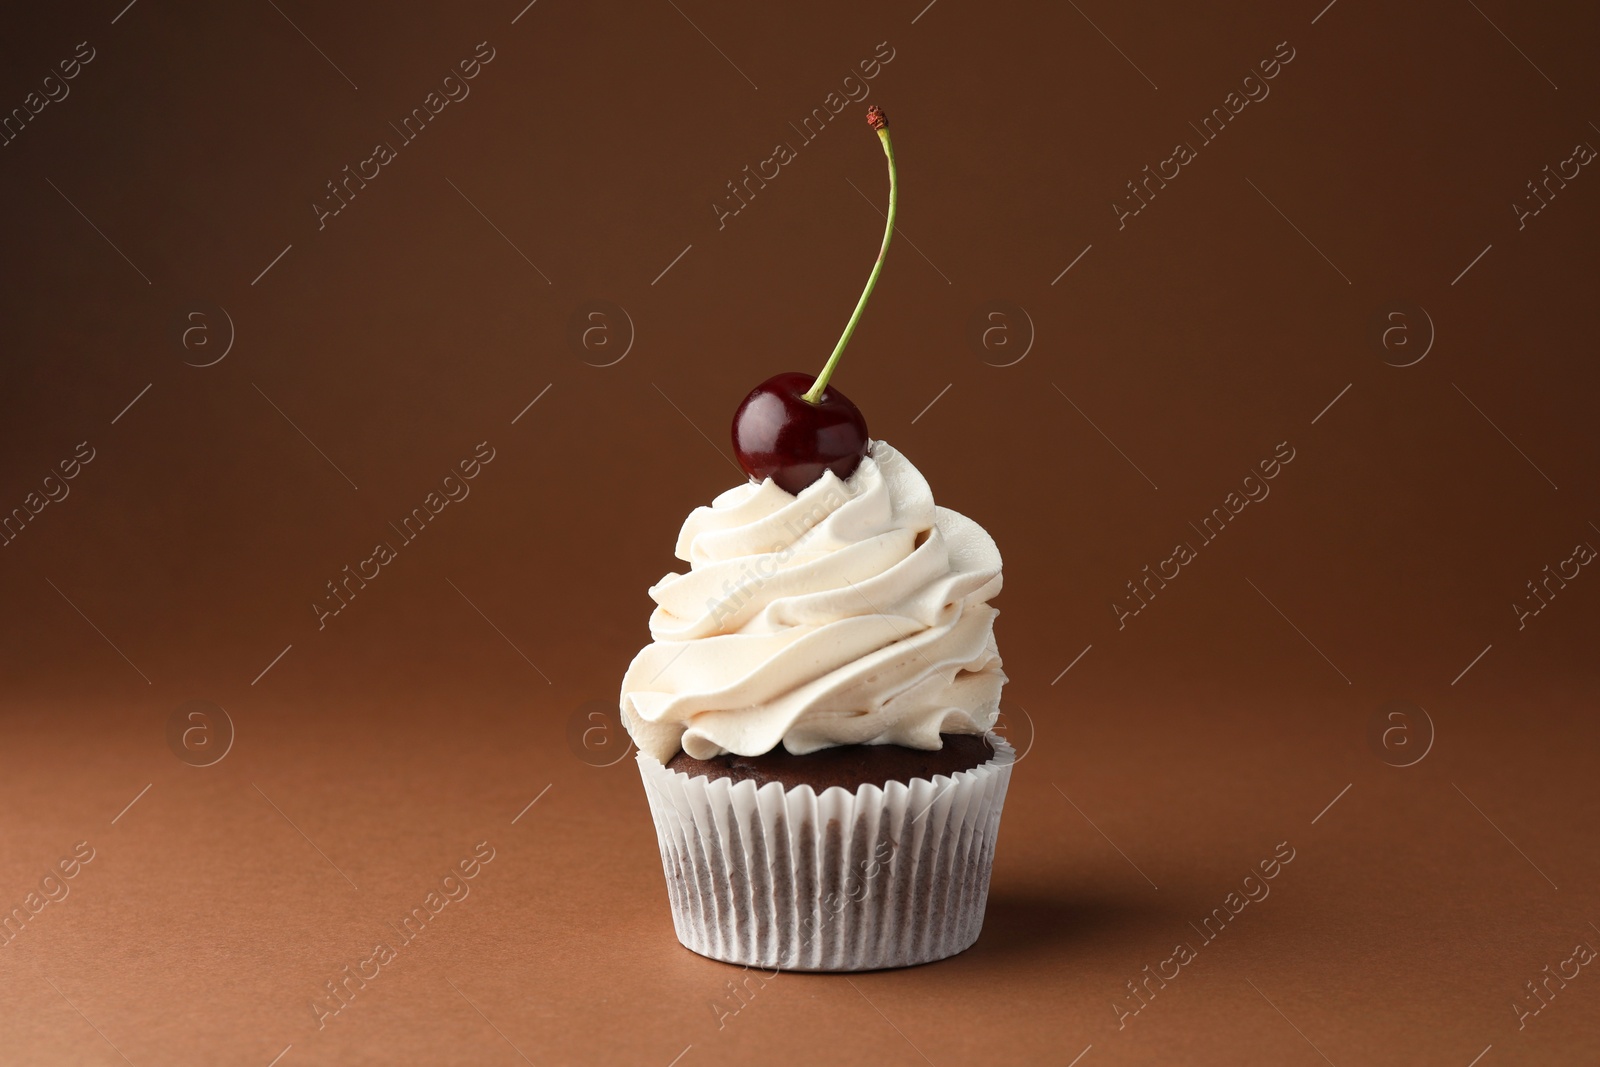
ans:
(1340, 272)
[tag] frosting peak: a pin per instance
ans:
(853, 613)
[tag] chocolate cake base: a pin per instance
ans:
(848, 766)
(850, 879)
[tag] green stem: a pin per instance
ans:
(814, 394)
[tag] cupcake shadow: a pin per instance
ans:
(1019, 924)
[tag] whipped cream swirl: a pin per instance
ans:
(854, 613)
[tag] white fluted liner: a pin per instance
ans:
(883, 877)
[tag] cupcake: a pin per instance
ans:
(815, 711)
(814, 722)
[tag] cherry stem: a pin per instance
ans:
(814, 394)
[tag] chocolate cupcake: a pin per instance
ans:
(814, 718)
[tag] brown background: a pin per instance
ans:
(1224, 319)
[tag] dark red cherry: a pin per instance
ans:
(778, 434)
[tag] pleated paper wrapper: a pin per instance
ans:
(784, 878)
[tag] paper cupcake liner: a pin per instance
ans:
(785, 878)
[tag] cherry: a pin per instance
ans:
(779, 434)
(792, 427)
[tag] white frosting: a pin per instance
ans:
(854, 613)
